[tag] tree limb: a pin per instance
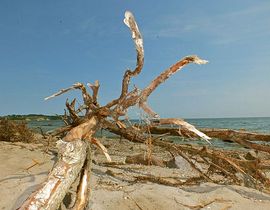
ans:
(138, 41)
(145, 93)
(184, 124)
(50, 195)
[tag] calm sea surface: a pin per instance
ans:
(258, 124)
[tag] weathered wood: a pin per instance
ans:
(141, 97)
(250, 170)
(241, 137)
(138, 41)
(83, 127)
(228, 134)
(223, 134)
(182, 124)
(163, 77)
(145, 160)
(50, 195)
(84, 185)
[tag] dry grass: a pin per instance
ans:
(13, 131)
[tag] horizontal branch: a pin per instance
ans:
(77, 85)
(183, 124)
(227, 134)
(241, 137)
(220, 133)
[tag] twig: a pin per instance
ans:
(35, 163)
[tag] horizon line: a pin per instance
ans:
(191, 118)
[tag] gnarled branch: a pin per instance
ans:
(138, 41)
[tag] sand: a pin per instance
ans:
(24, 166)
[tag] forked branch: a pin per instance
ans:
(142, 96)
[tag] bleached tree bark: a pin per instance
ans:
(70, 161)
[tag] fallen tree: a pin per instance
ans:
(243, 138)
(219, 133)
(74, 155)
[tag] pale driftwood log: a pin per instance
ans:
(243, 138)
(220, 133)
(84, 185)
(72, 154)
(227, 134)
(71, 159)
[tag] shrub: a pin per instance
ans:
(13, 131)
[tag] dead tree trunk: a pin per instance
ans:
(70, 161)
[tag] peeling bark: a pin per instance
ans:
(70, 162)
(84, 186)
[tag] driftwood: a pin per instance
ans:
(243, 138)
(144, 160)
(79, 131)
(96, 116)
(223, 134)
(252, 174)
(71, 159)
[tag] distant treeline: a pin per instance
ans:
(31, 117)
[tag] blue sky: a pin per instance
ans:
(49, 45)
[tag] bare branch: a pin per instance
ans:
(85, 95)
(87, 99)
(102, 147)
(62, 91)
(81, 108)
(184, 124)
(85, 129)
(95, 88)
(148, 110)
(138, 41)
(168, 73)
(141, 97)
(137, 38)
(71, 110)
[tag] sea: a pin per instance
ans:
(252, 124)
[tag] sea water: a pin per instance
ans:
(254, 124)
